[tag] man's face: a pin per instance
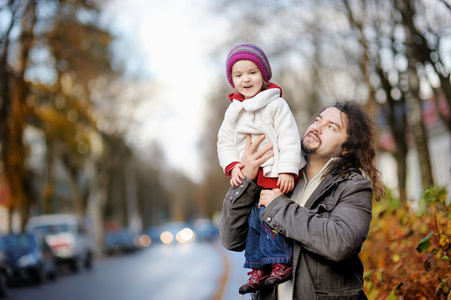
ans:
(324, 137)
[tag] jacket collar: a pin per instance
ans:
(239, 97)
(329, 182)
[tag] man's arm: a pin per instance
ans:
(335, 231)
(239, 199)
(236, 207)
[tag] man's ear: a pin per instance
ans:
(344, 152)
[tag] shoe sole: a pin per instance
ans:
(252, 290)
(270, 284)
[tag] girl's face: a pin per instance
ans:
(247, 78)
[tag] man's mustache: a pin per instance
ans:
(314, 134)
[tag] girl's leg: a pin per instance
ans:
(252, 252)
(275, 248)
(277, 252)
(253, 255)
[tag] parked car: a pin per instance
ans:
(172, 232)
(28, 256)
(119, 241)
(3, 275)
(69, 238)
(154, 233)
(205, 230)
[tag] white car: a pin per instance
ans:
(68, 237)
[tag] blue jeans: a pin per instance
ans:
(265, 246)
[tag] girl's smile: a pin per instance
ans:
(247, 78)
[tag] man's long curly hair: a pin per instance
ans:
(361, 146)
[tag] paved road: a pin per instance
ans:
(196, 271)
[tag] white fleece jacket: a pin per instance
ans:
(266, 113)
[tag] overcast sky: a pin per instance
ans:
(172, 39)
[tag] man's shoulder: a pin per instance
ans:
(352, 176)
(354, 173)
(355, 179)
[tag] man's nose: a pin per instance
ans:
(317, 128)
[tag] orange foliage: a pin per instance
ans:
(407, 254)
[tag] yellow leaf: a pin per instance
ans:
(444, 242)
(395, 258)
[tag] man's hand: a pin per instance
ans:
(252, 159)
(267, 196)
(286, 183)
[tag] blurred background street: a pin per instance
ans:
(201, 271)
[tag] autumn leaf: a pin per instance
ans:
(444, 242)
(425, 243)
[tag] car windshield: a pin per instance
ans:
(51, 229)
(18, 243)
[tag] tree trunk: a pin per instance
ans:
(48, 192)
(423, 53)
(131, 200)
(13, 113)
(417, 126)
(396, 115)
(16, 174)
(397, 121)
(73, 182)
(415, 103)
(364, 62)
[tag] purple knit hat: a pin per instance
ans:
(248, 52)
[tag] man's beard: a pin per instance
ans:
(308, 150)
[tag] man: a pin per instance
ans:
(328, 215)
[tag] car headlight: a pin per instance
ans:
(185, 235)
(27, 260)
(166, 237)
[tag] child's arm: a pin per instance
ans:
(288, 140)
(286, 182)
(226, 145)
(237, 175)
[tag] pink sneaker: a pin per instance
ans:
(255, 282)
(280, 273)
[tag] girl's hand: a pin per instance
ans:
(237, 175)
(286, 183)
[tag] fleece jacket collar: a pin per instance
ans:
(239, 97)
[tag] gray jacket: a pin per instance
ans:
(327, 233)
